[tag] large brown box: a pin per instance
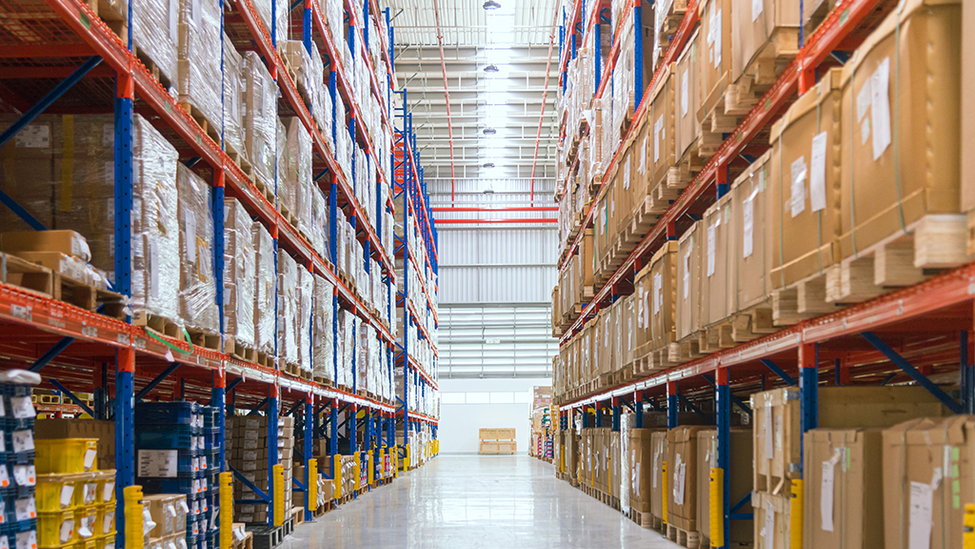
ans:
(660, 126)
(716, 284)
(843, 489)
(663, 305)
(772, 517)
(802, 210)
(688, 96)
(682, 481)
(641, 468)
(762, 31)
(750, 285)
(928, 463)
(689, 271)
(102, 430)
(628, 329)
(777, 429)
(658, 457)
(643, 287)
(715, 63)
(740, 481)
(901, 153)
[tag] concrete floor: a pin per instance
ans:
(470, 502)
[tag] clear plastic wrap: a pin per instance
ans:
(306, 289)
(155, 34)
(260, 115)
(239, 274)
(233, 97)
(263, 9)
(319, 221)
(346, 348)
(323, 354)
(286, 167)
(299, 154)
(287, 325)
(362, 358)
(265, 289)
(282, 23)
(199, 80)
(155, 225)
(197, 286)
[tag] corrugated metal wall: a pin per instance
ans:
(495, 280)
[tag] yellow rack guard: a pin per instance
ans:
(312, 484)
(716, 493)
(134, 533)
(278, 474)
(795, 521)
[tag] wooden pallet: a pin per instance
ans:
(931, 244)
(641, 519)
(800, 301)
(209, 127)
(762, 71)
(686, 349)
(297, 514)
(245, 542)
(684, 538)
(159, 324)
(41, 280)
(238, 158)
(204, 338)
(670, 22)
(814, 12)
(165, 80)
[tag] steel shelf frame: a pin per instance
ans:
(902, 336)
(137, 355)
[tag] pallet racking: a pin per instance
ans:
(906, 335)
(66, 53)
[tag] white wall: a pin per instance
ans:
(459, 423)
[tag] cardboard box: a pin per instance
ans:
(773, 520)
(716, 280)
(689, 258)
(496, 434)
(924, 163)
(663, 305)
(65, 242)
(641, 468)
(802, 211)
(777, 429)
(659, 454)
(498, 447)
(164, 510)
(660, 128)
(927, 464)
(750, 280)
(740, 480)
(715, 63)
(843, 489)
(688, 98)
(762, 31)
(682, 477)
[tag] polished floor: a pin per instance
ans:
(473, 502)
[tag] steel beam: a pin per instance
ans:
(157, 380)
(911, 371)
(778, 371)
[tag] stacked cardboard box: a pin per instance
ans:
(247, 452)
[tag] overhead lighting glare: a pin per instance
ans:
(491, 5)
(490, 131)
(488, 165)
(492, 68)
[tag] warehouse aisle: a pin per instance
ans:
(509, 502)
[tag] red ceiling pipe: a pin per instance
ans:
(500, 209)
(495, 221)
(446, 94)
(541, 117)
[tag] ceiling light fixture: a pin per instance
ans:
(488, 165)
(491, 5)
(490, 131)
(492, 68)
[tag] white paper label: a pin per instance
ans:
(4, 542)
(626, 175)
(108, 491)
(67, 493)
(717, 38)
(658, 293)
(863, 100)
(33, 136)
(24, 509)
(25, 475)
(23, 440)
(27, 540)
(711, 245)
(817, 173)
(798, 186)
(864, 131)
(919, 519)
(189, 227)
(768, 532)
(657, 130)
(643, 156)
(4, 477)
(687, 274)
(90, 455)
(880, 107)
(23, 408)
(826, 490)
(748, 225)
(158, 463)
(757, 7)
(684, 94)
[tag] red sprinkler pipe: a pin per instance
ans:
(446, 94)
(541, 117)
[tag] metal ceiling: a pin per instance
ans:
(516, 38)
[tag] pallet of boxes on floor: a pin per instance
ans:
(757, 344)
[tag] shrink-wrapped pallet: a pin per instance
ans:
(233, 99)
(265, 288)
(687, 91)
(197, 285)
(155, 225)
(303, 311)
(287, 296)
(239, 274)
(260, 116)
(199, 81)
(286, 166)
(155, 34)
(299, 152)
(319, 222)
(323, 353)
